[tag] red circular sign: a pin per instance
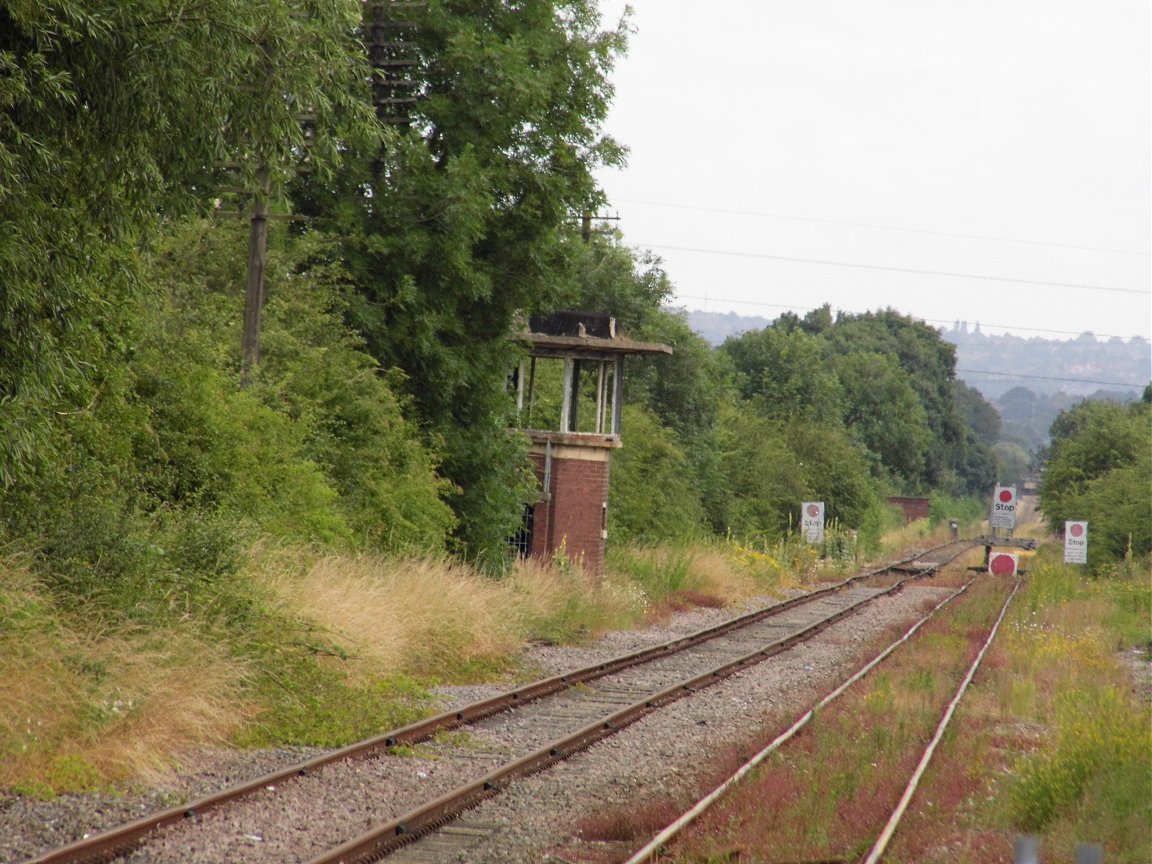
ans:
(1076, 530)
(813, 510)
(1005, 495)
(1003, 565)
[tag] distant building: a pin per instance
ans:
(569, 399)
(913, 507)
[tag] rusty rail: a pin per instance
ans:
(662, 839)
(121, 840)
(396, 833)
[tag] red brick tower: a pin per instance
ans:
(569, 394)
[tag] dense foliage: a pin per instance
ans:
(463, 222)
(888, 380)
(136, 466)
(111, 114)
(1099, 469)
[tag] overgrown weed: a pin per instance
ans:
(1055, 742)
(84, 705)
(296, 646)
(1089, 774)
(824, 795)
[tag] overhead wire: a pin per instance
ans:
(707, 299)
(892, 269)
(1051, 378)
(881, 227)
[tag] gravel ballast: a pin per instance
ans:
(536, 820)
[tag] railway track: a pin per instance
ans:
(878, 845)
(511, 736)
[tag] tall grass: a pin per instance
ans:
(82, 704)
(415, 616)
(725, 571)
(322, 649)
(825, 794)
(362, 639)
(437, 618)
(557, 603)
(1088, 775)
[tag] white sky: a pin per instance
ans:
(769, 129)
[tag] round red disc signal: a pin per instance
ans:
(1003, 565)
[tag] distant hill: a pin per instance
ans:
(995, 365)
(715, 327)
(1083, 366)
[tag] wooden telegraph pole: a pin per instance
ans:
(254, 293)
(394, 92)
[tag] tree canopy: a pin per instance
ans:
(1099, 469)
(419, 240)
(464, 221)
(890, 380)
(113, 114)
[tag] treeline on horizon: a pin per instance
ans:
(137, 462)
(1064, 370)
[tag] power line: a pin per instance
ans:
(881, 227)
(927, 320)
(858, 266)
(1049, 378)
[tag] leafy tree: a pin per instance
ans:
(684, 390)
(178, 464)
(785, 374)
(1013, 460)
(1099, 469)
(815, 321)
(930, 363)
(606, 276)
(976, 467)
(835, 471)
(979, 414)
(1019, 403)
(651, 458)
(771, 467)
(765, 478)
(322, 415)
(883, 412)
(111, 113)
(687, 391)
(1118, 510)
(463, 223)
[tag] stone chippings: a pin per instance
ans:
(660, 758)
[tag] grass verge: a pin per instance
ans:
(322, 649)
(1053, 740)
(824, 795)
(84, 704)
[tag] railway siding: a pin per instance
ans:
(318, 811)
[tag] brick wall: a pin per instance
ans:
(575, 517)
(914, 508)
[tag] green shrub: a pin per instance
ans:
(1100, 470)
(1101, 747)
(319, 448)
(660, 571)
(943, 507)
(655, 492)
(309, 700)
